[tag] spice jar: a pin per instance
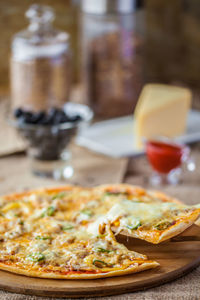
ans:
(40, 63)
(112, 55)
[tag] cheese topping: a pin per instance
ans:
(42, 230)
(133, 214)
(69, 230)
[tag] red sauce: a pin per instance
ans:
(163, 156)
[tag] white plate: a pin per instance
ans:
(115, 137)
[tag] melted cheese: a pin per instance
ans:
(132, 213)
(93, 228)
(145, 212)
(59, 239)
(115, 212)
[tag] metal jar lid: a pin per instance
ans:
(101, 7)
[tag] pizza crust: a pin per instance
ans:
(30, 273)
(9, 197)
(198, 222)
(179, 227)
(134, 188)
(165, 197)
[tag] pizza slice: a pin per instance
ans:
(147, 215)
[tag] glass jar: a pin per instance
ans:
(112, 55)
(40, 63)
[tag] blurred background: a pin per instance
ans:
(100, 54)
(170, 30)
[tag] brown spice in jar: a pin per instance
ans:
(113, 73)
(41, 83)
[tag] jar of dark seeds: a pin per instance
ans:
(112, 55)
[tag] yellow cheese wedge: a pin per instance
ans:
(161, 111)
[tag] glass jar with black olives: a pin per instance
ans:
(40, 86)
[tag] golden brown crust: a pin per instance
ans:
(10, 197)
(180, 226)
(137, 189)
(130, 270)
(198, 221)
(165, 197)
(123, 187)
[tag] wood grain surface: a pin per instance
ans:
(176, 257)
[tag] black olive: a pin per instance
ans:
(28, 117)
(52, 111)
(64, 117)
(58, 117)
(54, 116)
(18, 112)
(75, 118)
(46, 120)
(38, 117)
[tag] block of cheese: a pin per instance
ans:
(161, 111)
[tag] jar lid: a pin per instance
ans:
(40, 13)
(110, 6)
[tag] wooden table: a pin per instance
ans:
(96, 169)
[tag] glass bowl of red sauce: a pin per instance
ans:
(166, 158)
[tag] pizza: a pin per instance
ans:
(69, 232)
(40, 237)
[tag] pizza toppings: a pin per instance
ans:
(99, 263)
(43, 238)
(135, 225)
(36, 257)
(67, 227)
(68, 231)
(99, 249)
(49, 211)
(164, 225)
(131, 216)
(86, 212)
(60, 195)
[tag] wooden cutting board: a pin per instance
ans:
(177, 257)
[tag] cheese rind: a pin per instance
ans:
(161, 111)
